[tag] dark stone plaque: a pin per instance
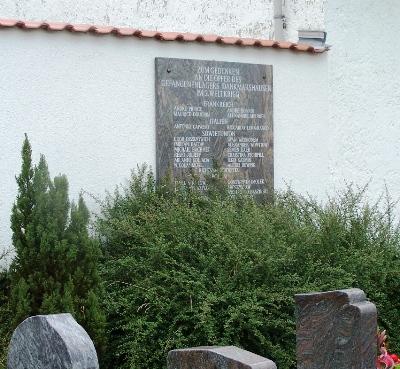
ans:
(217, 357)
(336, 330)
(211, 112)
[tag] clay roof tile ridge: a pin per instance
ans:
(164, 36)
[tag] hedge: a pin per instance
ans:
(185, 269)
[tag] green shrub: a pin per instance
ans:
(182, 269)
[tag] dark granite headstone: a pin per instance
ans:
(336, 330)
(217, 357)
(212, 112)
(51, 342)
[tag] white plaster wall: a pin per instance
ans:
(364, 99)
(87, 103)
(251, 18)
(303, 15)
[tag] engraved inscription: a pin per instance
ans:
(210, 111)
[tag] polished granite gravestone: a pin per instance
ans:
(336, 330)
(51, 342)
(215, 113)
(217, 357)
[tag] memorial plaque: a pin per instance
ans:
(211, 112)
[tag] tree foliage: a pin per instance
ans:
(56, 264)
(5, 315)
(184, 269)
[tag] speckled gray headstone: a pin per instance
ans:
(51, 342)
(217, 357)
(336, 330)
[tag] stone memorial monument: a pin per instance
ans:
(336, 330)
(51, 342)
(215, 113)
(217, 357)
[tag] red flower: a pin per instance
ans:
(395, 358)
(385, 361)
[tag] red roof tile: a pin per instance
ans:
(56, 26)
(163, 36)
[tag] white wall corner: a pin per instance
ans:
(303, 15)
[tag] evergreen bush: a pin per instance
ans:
(183, 269)
(55, 269)
(5, 316)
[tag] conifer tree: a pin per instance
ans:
(5, 313)
(55, 268)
